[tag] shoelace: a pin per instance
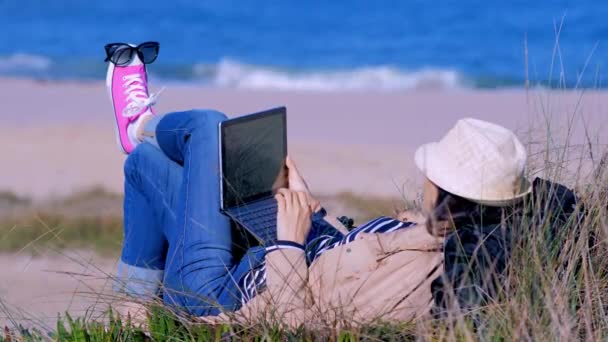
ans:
(137, 99)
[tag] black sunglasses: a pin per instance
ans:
(121, 54)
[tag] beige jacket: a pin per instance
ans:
(378, 276)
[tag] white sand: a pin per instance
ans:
(58, 137)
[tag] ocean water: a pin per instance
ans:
(316, 45)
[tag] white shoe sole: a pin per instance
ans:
(109, 77)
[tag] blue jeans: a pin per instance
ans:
(175, 234)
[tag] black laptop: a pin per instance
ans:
(253, 149)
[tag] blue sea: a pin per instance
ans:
(316, 45)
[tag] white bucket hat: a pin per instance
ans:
(479, 161)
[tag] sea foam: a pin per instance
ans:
(24, 63)
(233, 74)
(230, 73)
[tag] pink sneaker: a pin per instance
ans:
(128, 90)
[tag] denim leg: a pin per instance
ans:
(151, 190)
(150, 130)
(200, 268)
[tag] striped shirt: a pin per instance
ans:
(255, 280)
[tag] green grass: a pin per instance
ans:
(161, 325)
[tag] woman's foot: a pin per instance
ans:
(128, 90)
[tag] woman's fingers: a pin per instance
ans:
(290, 197)
(312, 203)
(303, 199)
(289, 163)
(280, 196)
(315, 205)
(280, 202)
(283, 192)
(296, 181)
(296, 199)
(300, 199)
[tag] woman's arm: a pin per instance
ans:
(284, 299)
(286, 270)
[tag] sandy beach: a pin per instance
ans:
(57, 138)
(35, 289)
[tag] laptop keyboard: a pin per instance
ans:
(261, 219)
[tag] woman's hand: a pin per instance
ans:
(297, 182)
(294, 215)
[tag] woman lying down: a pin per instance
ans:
(178, 247)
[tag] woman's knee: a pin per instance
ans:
(191, 120)
(205, 123)
(206, 117)
(175, 129)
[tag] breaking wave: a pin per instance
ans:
(21, 63)
(233, 74)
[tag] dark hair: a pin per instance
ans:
(459, 211)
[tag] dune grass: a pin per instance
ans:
(556, 288)
(164, 326)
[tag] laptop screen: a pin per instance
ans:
(253, 150)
